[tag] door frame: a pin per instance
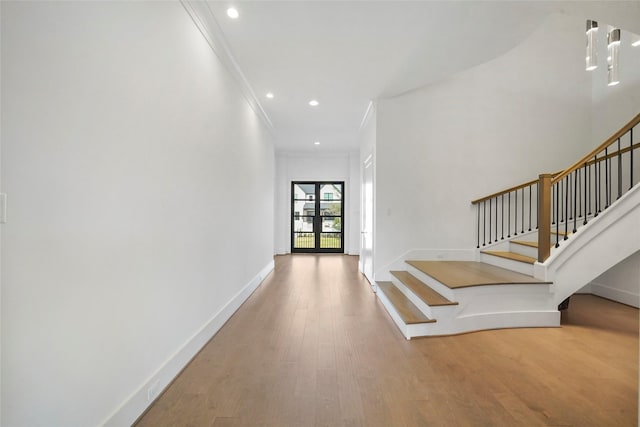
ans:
(317, 221)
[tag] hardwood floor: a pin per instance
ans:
(313, 347)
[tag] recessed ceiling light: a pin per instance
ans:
(313, 103)
(269, 95)
(636, 43)
(232, 13)
(316, 143)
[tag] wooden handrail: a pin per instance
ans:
(509, 190)
(623, 130)
(614, 154)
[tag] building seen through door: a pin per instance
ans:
(317, 216)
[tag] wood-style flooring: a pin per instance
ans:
(314, 347)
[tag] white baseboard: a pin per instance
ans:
(619, 295)
(142, 398)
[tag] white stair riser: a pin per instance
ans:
(509, 264)
(524, 250)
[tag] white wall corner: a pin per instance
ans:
(150, 390)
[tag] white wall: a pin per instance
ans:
(479, 131)
(140, 184)
(317, 167)
(620, 283)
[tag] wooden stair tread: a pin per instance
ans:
(409, 313)
(422, 290)
(525, 243)
(463, 274)
(512, 255)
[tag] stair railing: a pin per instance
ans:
(555, 203)
(507, 213)
(587, 188)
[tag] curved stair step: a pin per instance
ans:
(408, 312)
(421, 289)
(463, 274)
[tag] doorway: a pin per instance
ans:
(317, 216)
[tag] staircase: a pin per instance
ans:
(451, 297)
(562, 231)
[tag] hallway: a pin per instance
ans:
(312, 346)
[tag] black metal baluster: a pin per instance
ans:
(631, 154)
(562, 211)
(489, 221)
(609, 196)
(553, 211)
(522, 209)
(509, 215)
(502, 217)
(606, 178)
(589, 182)
(619, 170)
(530, 207)
(566, 206)
(579, 193)
(515, 216)
(596, 183)
(575, 199)
(478, 226)
(584, 172)
(496, 219)
(537, 205)
(484, 223)
(557, 213)
(570, 212)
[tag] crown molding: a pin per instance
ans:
(204, 19)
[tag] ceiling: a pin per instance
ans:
(346, 53)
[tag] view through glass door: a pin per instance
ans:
(317, 216)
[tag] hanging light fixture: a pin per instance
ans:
(592, 52)
(613, 58)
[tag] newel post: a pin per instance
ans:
(544, 216)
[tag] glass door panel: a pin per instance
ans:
(317, 216)
(304, 212)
